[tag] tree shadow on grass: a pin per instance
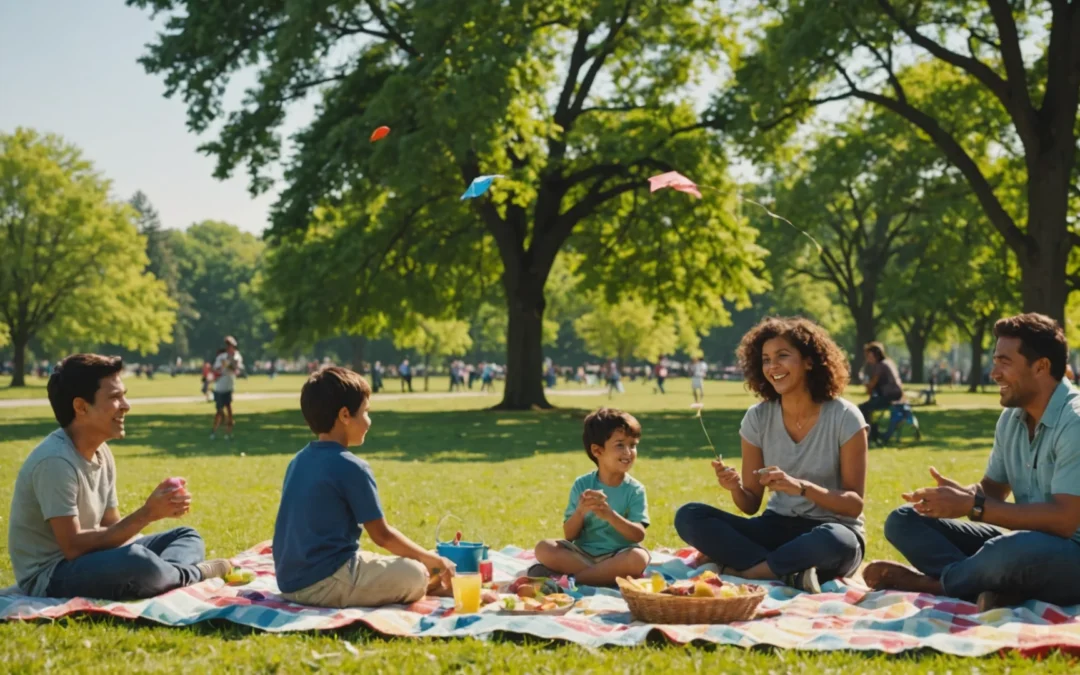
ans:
(480, 435)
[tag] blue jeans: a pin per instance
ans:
(150, 566)
(969, 558)
(786, 544)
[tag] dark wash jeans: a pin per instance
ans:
(969, 557)
(787, 544)
(150, 566)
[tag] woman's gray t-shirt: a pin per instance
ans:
(816, 458)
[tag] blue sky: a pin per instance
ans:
(69, 67)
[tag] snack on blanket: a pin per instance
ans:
(239, 577)
(707, 585)
(543, 603)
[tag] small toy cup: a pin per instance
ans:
(466, 593)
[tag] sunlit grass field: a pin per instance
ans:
(506, 475)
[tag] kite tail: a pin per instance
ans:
(774, 215)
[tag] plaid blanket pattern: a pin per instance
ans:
(842, 617)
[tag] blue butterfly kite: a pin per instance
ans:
(480, 185)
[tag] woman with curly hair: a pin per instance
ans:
(804, 443)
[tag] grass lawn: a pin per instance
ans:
(506, 474)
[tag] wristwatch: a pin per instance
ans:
(802, 492)
(977, 510)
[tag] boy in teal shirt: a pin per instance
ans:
(605, 519)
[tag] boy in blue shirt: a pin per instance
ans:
(329, 498)
(605, 519)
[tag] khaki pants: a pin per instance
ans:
(368, 580)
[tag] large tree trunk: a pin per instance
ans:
(18, 343)
(358, 344)
(524, 338)
(865, 331)
(978, 336)
(916, 344)
(1044, 285)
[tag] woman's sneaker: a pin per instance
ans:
(214, 569)
(805, 580)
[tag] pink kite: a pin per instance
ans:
(675, 181)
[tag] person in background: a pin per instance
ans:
(698, 370)
(405, 371)
(227, 366)
(207, 375)
(661, 374)
(884, 386)
(376, 377)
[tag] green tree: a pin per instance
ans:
(163, 265)
(634, 328)
(952, 70)
(433, 339)
(861, 189)
(71, 260)
(577, 103)
(219, 266)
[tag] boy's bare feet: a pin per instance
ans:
(885, 575)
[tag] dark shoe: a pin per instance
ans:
(805, 580)
(538, 570)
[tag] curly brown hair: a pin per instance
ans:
(827, 377)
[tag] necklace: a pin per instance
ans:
(800, 423)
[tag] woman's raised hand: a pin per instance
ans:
(727, 476)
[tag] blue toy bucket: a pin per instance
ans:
(466, 555)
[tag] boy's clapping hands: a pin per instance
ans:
(596, 502)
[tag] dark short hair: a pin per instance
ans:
(78, 376)
(876, 348)
(829, 372)
(1040, 338)
(327, 391)
(600, 425)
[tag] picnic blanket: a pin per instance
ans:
(842, 617)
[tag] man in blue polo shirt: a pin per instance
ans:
(1006, 553)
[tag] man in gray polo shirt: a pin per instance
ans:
(1008, 552)
(65, 535)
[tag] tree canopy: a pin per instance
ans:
(963, 74)
(72, 263)
(576, 103)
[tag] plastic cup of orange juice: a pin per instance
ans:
(466, 593)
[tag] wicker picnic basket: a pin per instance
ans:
(678, 609)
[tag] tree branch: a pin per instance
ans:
(957, 155)
(1009, 46)
(1016, 101)
(603, 50)
(391, 32)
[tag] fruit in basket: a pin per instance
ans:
(658, 583)
(703, 590)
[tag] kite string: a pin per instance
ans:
(766, 209)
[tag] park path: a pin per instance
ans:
(262, 396)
